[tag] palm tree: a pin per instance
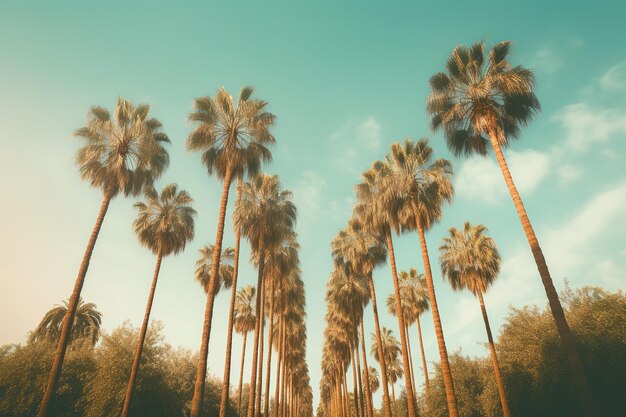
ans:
(265, 215)
(120, 155)
(244, 323)
(164, 225)
(360, 251)
(203, 269)
(233, 140)
(87, 322)
(417, 293)
(422, 186)
(487, 101)
(470, 260)
(374, 382)
(391, 349)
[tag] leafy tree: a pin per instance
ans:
(87, 322)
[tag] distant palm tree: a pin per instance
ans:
(487, 101)
(417, 292)
(164, 225)
(121, 155)
(265, 215)
(373, 379)
(245, 320)
(203, 269)
(470, 260)
(87, 322)
(391, 350)
(233, 140)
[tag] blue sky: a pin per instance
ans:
(345, 81)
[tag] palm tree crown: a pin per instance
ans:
(166, 221)
(87, 322)
(123, 154)
(203, 268)
(245, 310)
(479, 96)
(469, 258)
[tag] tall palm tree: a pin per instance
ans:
(391, 350)
(265, 215)
(245, 320)
(470, 260)
(374, 382)
(204, 265)
(164, 224)
(359, 251)
(482, 101)
(233, 140)
(422, 186)
(417, 293)
(87, 322)
(123, 154)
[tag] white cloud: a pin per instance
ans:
(481, 177)
(307, 193)
(546, 60)
(369, 132)
(615, 78)
(586, 126)
(355, 142)
(567, 173)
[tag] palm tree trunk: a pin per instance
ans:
(344, 376)
(259, 385)
(255, 355)
(441, 343)
(368, 391)
(354, 385)
(419, 332)
(379, 346)
(568, 341)
(284, 377)
(401, 326)
(393, 396)
(270, 339)
(243, 358)
(68, 320)
(198, 392)
(359, 380)
(281, 335)
(408, 343)
(142, 338)
(231, 314)
(494, 359)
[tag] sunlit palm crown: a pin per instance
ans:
(123, 154)
(373, 378)
(390, 345)
(264, 214)
(348, 295)
(358, 250)
(231, 136)
(421, 184)
(165, 222)
(203, 268)
(416, 291)
(245, 311)
(283, 259)
(86, 324)
(378, 203)
(469, 258)
(481, 96)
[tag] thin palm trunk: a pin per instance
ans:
(441, 343)
(359, 380)
(344, 376)
(255, 355)
(270, 339)
(142, 338)
(393, 396)
(259, 385)
(419, 332)
(567, 338)
(281, 335)
(494, 359)
(198, 392)
(379, 347)
(243, 358)
(68, 320)
(231, 316)
(284, 377)
(368, 391)
(354, 385)
(401, 326)
(408, 342)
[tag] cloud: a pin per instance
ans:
(481, 178)
(567, 173)
(587, 126)
(307, 193)
(546, 60)
(615, 78)
(355, 142)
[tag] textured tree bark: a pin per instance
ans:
(281, 336)
(401, 326)
(358, 374)
(441, 343)
(243, 357)
(270, 339)
(419, 332)
(68, 321)
(354, 384)
(255, 355)
(585, 394)
(231, 316)
(198, 392)
(494, 359)
(368, 391)
(408, 343)
(379, 347)
(142, 338)
(259, 385)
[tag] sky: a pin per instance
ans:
(345, 81)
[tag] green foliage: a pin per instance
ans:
(534, 368)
